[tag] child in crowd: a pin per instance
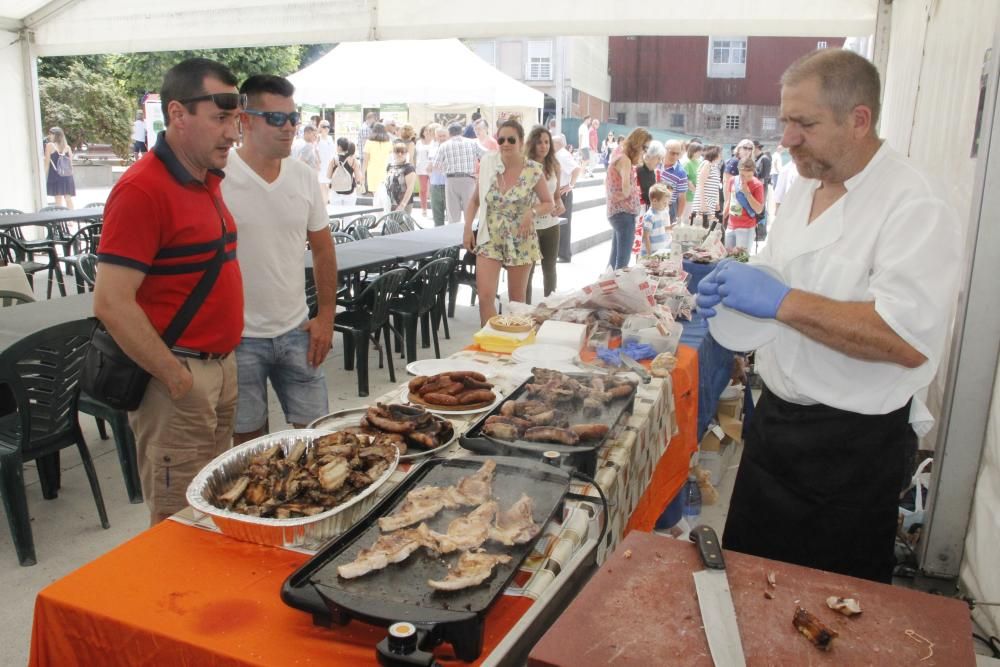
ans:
(746, 206)
(656, 222)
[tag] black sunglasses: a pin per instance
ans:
(225, 101)
(508, 140)
(276, 118)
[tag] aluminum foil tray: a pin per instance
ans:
(227, 467)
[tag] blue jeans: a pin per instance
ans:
(623, 233)
(301, 389)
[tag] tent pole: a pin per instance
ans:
(33, 112)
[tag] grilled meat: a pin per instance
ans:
(502, 431)
(516, 525)
(813, 629)
(472, 569)
(476, 489)
(389, 548)
(465, 532)
(559, 436)
(590, 431)
(421, 503)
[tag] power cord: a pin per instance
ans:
(584, 477)
(992, 643)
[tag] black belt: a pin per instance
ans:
(456, 175)
(195, 354)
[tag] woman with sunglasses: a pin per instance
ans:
(623, 194)
(538, 147)
(400, 178)
(512, 194)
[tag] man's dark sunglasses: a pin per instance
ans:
(225, 101)
(276, 118)
(508, 139)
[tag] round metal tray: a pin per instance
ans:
(342, 419)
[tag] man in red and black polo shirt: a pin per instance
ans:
(163, 224)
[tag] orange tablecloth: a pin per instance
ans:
(177, 595)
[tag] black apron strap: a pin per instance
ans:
(818, 486)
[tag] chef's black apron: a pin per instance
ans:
(818, 486)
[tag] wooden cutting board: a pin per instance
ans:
(641, 608)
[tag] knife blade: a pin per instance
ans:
(635, 367)
(716, 601)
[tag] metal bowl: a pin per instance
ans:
(345, 419)
(227, 468)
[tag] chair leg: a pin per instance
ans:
(15, 504)
(95, 486)
(361, 360)
(392, 370)
(49, 475)
(425, 331)
(452, 295)
(348, 351)
(102, 428)
(125, 444)
(410, 336)
(444, 317)
(398, 324)
(434, 332)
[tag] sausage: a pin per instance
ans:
(452, 389)
(559, 436)
(473, 383)
(460, 375)
(475, 396)
(435, 382)
(422, 440)
(590, 431)
(501, 430)
(543, 418)
(440, 399)
(389, 425)
(416, 383)
(508, 409)
(621, 391)
(514, 421)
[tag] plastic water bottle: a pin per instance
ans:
(692, 500)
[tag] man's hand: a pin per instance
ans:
(708, 292)
(179, 384)
(320, 337)
(749, 290)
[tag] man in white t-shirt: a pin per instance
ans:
(569, 172)
(139, 145)
(327, 151)
(583, 143)
(278, 206)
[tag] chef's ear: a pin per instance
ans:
(861, 120)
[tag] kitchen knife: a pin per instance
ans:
(716, 601)
(635, 367)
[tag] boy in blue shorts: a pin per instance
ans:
(656, 221)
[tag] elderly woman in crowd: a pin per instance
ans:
(512, 194)
(538, 147)
(647, 173)
(623, 194)
(376, 157)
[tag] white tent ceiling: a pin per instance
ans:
(343, 76)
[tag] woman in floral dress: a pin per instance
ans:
(506, 192)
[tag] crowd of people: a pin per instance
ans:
(699, 186)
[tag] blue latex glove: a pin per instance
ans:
(708, 291)
(638, 351)
(608, 356)
(749, 290)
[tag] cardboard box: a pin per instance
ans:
(732, 407)
(717, 445)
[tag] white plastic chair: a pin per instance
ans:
(13, 279)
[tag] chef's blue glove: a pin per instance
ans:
(708, 291)
(749, 290)
(608, 356)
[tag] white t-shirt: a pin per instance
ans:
(272, 219)
(139, 131)
(583, 137)
(423, 157)
(567, 165)
(890, 239)
(546, 221)
(327, 151)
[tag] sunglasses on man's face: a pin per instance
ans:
(399, 151)
(508, 140)
(276, 118)
(225, 101)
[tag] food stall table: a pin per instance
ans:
(181, 594)
(641, 608)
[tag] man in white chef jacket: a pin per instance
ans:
(869, 258)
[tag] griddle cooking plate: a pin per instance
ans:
(582, 457)
(400, 592)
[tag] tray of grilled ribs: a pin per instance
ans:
(573, 414)
(437, 552)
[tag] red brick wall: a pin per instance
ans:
(588, 105)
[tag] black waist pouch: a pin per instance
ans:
(110, 375)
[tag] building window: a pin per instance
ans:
(769, 123)
(732, 122)
(485, 49)
(713, 121)
(575, 96)
(820, 45)
(539, 64)
(727, 57)
(642, 118)
(676, 120)
(620, 118)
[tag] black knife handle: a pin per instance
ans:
(709, 547)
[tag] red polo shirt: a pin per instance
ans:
(162, 221)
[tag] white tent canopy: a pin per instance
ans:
(374, 73)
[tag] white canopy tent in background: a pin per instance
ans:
(930, 52)
(371, 74)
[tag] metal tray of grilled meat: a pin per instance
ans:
(399, 592)
(582, 457)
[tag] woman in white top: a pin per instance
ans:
(425, 147)
(538, 147)
(706, 196)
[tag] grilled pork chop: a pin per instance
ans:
(465, 532)
(421, 503)
(472, 569)
(515, 526)
(476, 489)
(390, 548)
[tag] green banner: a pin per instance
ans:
(394, 107)
(347, 107)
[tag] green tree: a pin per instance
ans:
(143, 72)
(89, 106)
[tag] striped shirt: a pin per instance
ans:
(458, 156)
(707, 197)
(363, 135)
(677, 178)
(654, 227)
